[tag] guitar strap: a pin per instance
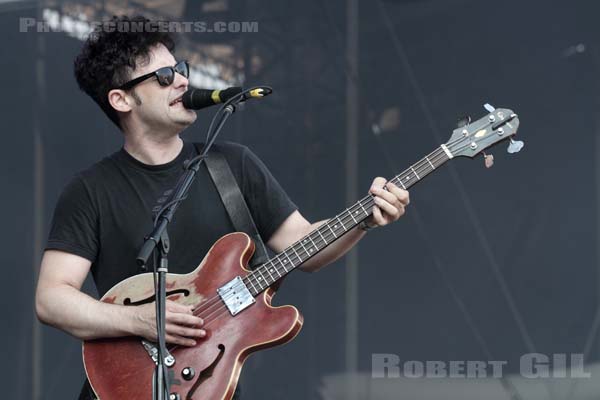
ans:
(233, 201)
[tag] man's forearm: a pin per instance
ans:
(82, 316)
(334, 251)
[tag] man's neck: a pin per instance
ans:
(153, 151)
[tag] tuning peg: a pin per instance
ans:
(490, 108)
(515, 146)
(464, 121)
(488, 160)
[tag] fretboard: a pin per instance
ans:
(295, 255)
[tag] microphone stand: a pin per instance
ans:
(158, 241)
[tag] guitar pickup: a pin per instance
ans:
(236, 296)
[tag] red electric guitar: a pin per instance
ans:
(235, 302)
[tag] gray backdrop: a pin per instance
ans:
(487, 263)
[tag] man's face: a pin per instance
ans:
(157, 109)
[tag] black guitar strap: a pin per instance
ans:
(234, 201)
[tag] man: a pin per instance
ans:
(105, 211)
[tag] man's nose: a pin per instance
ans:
(180, 80)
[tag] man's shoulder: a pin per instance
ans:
(96, 173)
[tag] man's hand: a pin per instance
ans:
(389, 204)
(182, 327)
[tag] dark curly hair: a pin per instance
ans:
(109, 56)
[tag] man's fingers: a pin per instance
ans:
(176, 307)
(174, 339)
(400, 193)
(378, 217)
(182, 315)
(392, 195)
(378, 183)
(389, 209)
(184, 331)
(390, 202)
(184, 319)
(387, 196)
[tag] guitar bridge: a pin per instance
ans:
(236, 296)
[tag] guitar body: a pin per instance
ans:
(122, 368)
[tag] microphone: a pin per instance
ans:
(196, 99)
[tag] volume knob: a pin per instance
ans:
(188, 373)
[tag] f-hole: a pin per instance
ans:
(150, 299)
(206, 372)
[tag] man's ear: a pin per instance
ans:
(119, 100)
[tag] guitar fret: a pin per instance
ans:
(282, 264)
(306, 251)
(322, 237)
(257, 290)
(289, 259)
(299, 258)
(332, 231)
(349, 212)
(313, 242)
(357, 211)
(251, 284)
(276, 270)
(413, 170)
(340, 221)
(248, 284)
(432, 166)
(402, 184)
(261, 278)
(270, 274)
(363, 208)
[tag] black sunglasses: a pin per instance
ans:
(165, 75)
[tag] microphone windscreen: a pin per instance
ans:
(195, 99)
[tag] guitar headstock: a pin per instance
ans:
(499, 125)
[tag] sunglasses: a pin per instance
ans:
(165, 75)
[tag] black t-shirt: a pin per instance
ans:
(105, 211)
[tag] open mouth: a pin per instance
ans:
(176, 101)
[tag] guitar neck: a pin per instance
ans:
(310, 245)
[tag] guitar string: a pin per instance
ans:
(250, 278)
(437, 156)
(433, 157)
(255, 280)
(348, 218)
(256, 277)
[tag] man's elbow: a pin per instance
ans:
(41, 307)
(47, 308)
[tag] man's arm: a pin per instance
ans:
(389, 206)
(59, 302)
